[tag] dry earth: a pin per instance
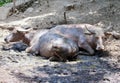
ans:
(19, 67)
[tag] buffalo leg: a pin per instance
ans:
(87, 47)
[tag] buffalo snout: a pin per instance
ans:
(8, 38)
(100, 47)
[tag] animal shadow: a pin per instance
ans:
(102, 53)
(18, 46)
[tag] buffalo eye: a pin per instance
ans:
(104, 38)
(97, 37)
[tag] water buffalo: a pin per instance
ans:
(26, 36)
(63, 33)
(21, 39)
(55, 47)
(86, 36)
(95, 35)
(73, 32)
(50, 45)
(61, 40)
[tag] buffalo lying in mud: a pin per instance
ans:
(46, 44)
(62, 41)
(55, 47)
(26, 36)
(95, 35)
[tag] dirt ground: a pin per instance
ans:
(19, 67)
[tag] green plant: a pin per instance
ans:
(2, 2)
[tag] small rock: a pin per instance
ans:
(37, 11)
(23, 16)
(37, 2)
(69, 7)
(106, 79)
(29, 10)
(66, 72)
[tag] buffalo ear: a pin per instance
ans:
(116, 35)
(113, 33)
(107, 34)
(24, 30)
(10, 28)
